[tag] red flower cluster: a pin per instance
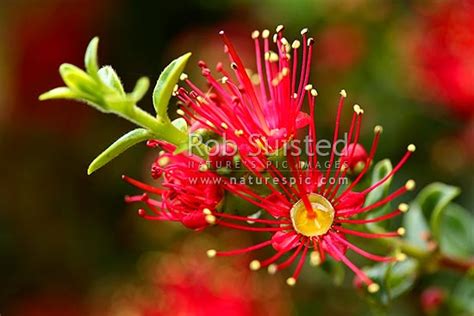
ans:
(188, 189)
(260, 111)
(305, 208)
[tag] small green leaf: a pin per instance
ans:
(165, 85)
(119, 146)
(461, 299)
(381, 169)
(180, 123)
(433, 200)
(110, 78)
(141, 87)
(78, 80)
(58, 93)
(457, 232)
(90, 58)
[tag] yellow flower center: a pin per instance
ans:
(314, 222)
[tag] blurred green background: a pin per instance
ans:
(68, 243)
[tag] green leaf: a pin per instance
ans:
(165, 85)
(381, 169)
(433, 200)
(119, 146)
(58, 93)
(141, 87)
(90, 58)
(110, 78)
(461, 302)
(457, 232)
(78, 80)
(394, 279)
(416, 226)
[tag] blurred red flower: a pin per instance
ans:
(443, 54)
(185, 282)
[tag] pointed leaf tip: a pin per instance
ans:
(141, 87)
(57, 93)
(90, 58)
(119, 146)
(165, 84)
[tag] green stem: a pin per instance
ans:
(163, 129)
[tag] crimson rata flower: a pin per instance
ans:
(309, 208)
(261, 111)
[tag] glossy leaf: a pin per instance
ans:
(166, 83)
(457, 232)
(394, 279)
(119, 146)
(416, 226)
(433, 200)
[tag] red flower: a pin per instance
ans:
(444, 55)
(182, 282)
(188, 190)
(313, 213)
(259, 112)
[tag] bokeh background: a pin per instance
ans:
(68, 243)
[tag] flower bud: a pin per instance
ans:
(354, 157)
(432, 298)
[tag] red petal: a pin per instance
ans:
(302, 120)
(284, 241)
(276, 206)
(351, 200)
(194, 220)
(336, 243)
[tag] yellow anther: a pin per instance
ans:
(403, 207)
(272, 269)
(373, 288)
(378, 129)
(410, 185)
(210, 219)
(291, 281)
(254, 265)
(211, 253)
(296, 44)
